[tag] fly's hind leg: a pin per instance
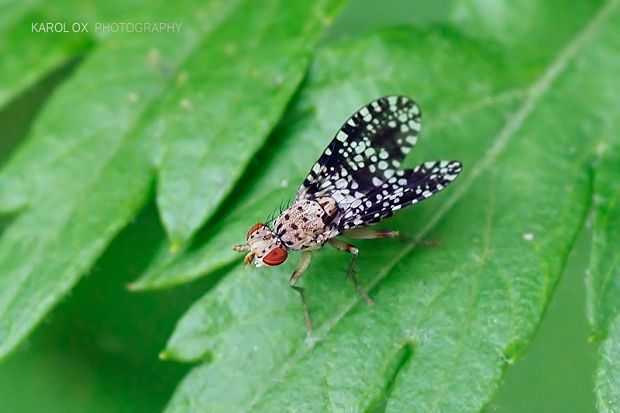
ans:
(345, 246)
(304, 262)
(370, 233)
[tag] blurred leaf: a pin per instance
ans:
(448, 319)
(81, 176)
(608, 375)
(227, 111)
(26, 56)
(603, 280)
(28, 53)
(87, 166)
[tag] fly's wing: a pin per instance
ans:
(404, 188)
(367, 150)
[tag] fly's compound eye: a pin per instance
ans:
(254, 229)
(275, 257)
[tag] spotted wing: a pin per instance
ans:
(403, 188)
(368, 147)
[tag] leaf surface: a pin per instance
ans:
(447, 320)
(88, 164)
(212, 131)
(603, 278)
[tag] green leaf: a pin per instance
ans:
(29, 53)
(603, 279)
(608, 375)
(88, 164)
(449, 319)
(226, 113)
(82, 179)
(27, 57)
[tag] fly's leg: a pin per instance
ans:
(351, 249)
(304, 262)
(370, 233)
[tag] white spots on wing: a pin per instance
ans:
(402, 182)
(382, 165)
(429, 165)
(341, 136)
(388, 173)
(376, 181)
(414, 125)
(383, 154)
(341, 183)
(369, 152)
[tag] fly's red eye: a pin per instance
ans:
(276, 257)
(254, 229)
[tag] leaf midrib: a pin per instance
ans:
(538, 89)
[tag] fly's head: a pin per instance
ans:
(263, 247)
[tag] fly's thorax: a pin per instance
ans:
(308, 223)
(264, 246)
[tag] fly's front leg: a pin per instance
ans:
(304, 262)
(351, 249)
(370, 233)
